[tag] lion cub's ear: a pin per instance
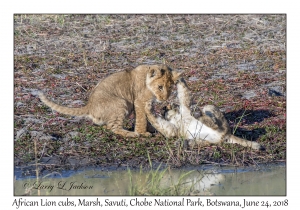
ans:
(156, 72)
(176, 75)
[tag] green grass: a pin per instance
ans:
(152, 185)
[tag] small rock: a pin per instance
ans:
(233, 45)
(150, 62)
(276, 91)
(185, 54)
(36, 133)
(48, 137)
(274, 84)
(66, 139)
(17, 161)
(35, 92)
(19, 104)
(32, 120)
(247, 66)
(50, 160)
(87, 144)
(45, 138)
(164, 38)
(61, 118)
(59, 76)
(44, 159)
(84, 161)
(30, 49)
(73, 161)
(282, 71)
(77, 102)
(220, 76)
(193, 79)
(73, 134)
(249, 94)
(29, 90)
(20, 133)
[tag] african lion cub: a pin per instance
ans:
(211, 127)
(119, 94)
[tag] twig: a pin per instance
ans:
(81, 86)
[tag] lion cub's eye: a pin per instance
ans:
(160, 88)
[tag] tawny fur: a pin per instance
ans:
(210, 128)
(121, 93)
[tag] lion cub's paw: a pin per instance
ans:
(257, 146)
(148, 106)
(132, 134)
(146, 134)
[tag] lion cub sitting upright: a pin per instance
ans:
(119, 94)
(211, 127)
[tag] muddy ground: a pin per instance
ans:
(237, 62)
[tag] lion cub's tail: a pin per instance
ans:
(83, 111)
(244, 142)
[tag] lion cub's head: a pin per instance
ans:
(170, 111)
(159, 80)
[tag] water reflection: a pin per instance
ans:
(270, 181)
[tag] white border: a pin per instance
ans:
(154, 6)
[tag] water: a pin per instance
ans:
(266, 180)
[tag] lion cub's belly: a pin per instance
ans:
(197, 130)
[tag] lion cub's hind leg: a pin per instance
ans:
(236, 140)
(223, 127)
(115, 120)
(115, 124)
(214, 118)
(208, 117)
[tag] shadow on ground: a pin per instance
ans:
(249, 117)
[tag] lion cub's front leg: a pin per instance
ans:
(184, 97)
(161, 125)
(140, 118)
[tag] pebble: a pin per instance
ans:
(32, 120)
(19, 104)
(193, 79)
(276, 91)
(20, 133)
(249, 94)
(247, 66)
(59, 76)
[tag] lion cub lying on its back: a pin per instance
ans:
(211, 127)
(119, 94)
